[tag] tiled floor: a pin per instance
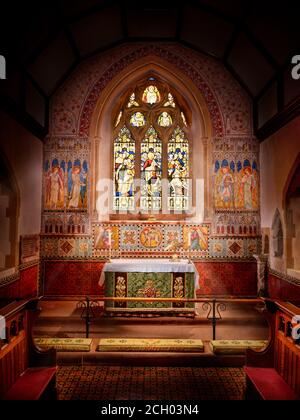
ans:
(150, 383)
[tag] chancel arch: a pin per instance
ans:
(277, 235)
(118, 107)
(90, 116)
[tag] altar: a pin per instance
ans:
(149, 278)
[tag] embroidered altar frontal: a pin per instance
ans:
(149, 285)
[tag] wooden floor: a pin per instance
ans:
(62, 319)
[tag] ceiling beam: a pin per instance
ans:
(236, 32)
(105, 4)
(238, 79)
(204, 7)
(279, 120)
(261, 48)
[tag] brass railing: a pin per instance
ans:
(213, 306)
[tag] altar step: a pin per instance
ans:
(149, 359)
(162, 359)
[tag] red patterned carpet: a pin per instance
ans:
(150, 383)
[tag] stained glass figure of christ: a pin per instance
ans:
(151, 171)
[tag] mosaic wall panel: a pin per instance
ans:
(65, 223)
(236, 224)
(150, 240)
(66, 247)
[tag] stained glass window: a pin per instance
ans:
(138, 120)
(178, 171)
(124, 160)
(151, 171)
(183, 119)
(119, 119)
(165, 120)
(170, 101)
(132, 102)
(154, 144)
(151, 95)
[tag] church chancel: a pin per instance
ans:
(149, 278)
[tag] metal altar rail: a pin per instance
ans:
(213, 307)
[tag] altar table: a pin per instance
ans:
(147, 278)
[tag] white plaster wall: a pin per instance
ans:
(277, 157)
(24, 153)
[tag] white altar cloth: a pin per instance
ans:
(149, 266)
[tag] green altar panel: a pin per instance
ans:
(149, 285)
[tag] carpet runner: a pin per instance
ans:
(65, 344)
(150, 383)
(232, 347)
(150, 345)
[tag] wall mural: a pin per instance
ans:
(69, 230)
(66, 171)
(236, 175)
(148, 240)
(54, 180)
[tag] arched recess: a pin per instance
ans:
(292, 212)
(9, 218)
(277, 235)
(100, 133)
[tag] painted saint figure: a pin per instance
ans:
(247, 195)
(198, 239)
(77, 176)
(225, 185)
(55, 185)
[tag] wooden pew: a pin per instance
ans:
(26, 372)
(274, 373)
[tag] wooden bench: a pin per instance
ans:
(26, 372)
(273, 374)
(34, 384)
(267, 384)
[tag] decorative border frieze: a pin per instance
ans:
(285, 277)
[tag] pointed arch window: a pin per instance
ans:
(153, 145)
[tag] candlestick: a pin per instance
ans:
(109, 244)
(189, 246)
